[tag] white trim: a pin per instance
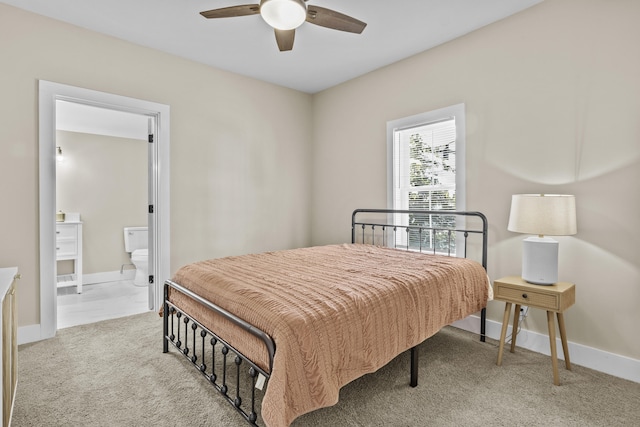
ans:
(49, 93)
(109, 276)
(469, 323)
(30, 333)
(589, 357)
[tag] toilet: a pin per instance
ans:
(136, 240)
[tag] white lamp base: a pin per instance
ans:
(540, 260)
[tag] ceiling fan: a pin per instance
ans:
(287, 15)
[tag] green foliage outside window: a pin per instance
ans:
(432, 165)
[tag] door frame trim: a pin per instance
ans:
(49, 93)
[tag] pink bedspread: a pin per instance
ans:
(335, 312)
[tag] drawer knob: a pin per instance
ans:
(524, 296)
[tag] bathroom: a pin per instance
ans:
(101, 178)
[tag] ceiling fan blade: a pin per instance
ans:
(232, 11)
(335, 20)
(284, 38)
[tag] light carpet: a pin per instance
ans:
(113, 373)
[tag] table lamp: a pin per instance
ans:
(543, 215)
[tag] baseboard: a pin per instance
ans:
(108, 276)
(27, 334)
(589, 357)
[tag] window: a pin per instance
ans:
(426, 172)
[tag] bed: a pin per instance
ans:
(283, 331)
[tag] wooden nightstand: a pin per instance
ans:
(555, 298)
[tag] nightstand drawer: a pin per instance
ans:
(527, 297)
(557, 297)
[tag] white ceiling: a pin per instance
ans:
(246, 45)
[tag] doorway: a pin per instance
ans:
(102, 160)
(157, 116)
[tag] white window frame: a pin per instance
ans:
(457, 111)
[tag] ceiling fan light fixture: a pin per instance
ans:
(283, 14)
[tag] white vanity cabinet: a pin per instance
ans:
(69, 247)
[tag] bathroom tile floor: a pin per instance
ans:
(100, 301)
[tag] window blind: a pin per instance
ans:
(425, 179)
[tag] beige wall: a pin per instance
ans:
(104, 179)
(239, 147)
(552, 101)
(552, 105)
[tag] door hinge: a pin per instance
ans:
(150, 137)
(150, 279)
(150, 208)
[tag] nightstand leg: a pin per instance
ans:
(552, 342)
(503, 333)
(563, 337)
(514, 331)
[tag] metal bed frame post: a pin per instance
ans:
(165, 319)
(413, 382)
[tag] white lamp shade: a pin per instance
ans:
(283, 14)
(543, 214)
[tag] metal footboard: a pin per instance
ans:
(220, 363)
